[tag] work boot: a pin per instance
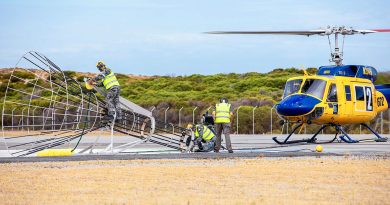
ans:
(230, 151)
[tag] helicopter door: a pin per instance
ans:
(331, 99)
(348, 108)
(363, 96)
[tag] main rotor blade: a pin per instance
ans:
(322, 32)
(372, 31)
(305, 33)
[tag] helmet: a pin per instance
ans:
(223, 100)
(100, 65)
(189, 126)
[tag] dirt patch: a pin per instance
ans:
(325, 180)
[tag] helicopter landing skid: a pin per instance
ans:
(312, 140)
(346, 138)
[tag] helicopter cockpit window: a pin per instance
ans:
(332, 95)
(314, 87)
(292, 87)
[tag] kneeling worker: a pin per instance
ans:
(204, 138)
(107, 79)
(223, 115)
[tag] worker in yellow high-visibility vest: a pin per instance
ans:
(204, 138)
(223, 116)
(107, 79)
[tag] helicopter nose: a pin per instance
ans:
(296, 105)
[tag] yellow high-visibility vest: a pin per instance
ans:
(207, 133)
(222, 113)
(110, 80)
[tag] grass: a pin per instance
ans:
(325, 180)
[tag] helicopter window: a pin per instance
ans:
(359, 93)
(315, 87)
(332, 95)
(292, 87)
(348, 93)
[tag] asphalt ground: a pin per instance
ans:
(245, 146)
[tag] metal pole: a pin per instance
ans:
(193, 115)
(381, 122)
(287, 127)
(273, 107)
(52, 118)
(43, 118)
(388, 120)
(22, 128)
(180, 116)
(253, 120)
(12, 119)
(33, 120)
(165, 117)
(238, 109)
(360, 129)
(152, 110)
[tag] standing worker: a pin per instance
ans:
(107, 79)
(223, 115)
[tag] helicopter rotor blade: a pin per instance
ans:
(305, 33)
(372, 31)
(321, 32)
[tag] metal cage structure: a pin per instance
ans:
(43, 107)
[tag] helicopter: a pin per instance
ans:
(337, 95)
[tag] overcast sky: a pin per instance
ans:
(165, 37)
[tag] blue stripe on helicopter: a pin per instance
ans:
(296, 105)
(359, 71)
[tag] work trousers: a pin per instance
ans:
(112, 100)
(225, 127)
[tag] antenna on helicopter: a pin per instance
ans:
(336, 54)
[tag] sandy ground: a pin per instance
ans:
(321, 180)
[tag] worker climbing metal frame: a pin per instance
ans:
(58, 111)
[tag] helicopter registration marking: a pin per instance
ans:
(364, 104)
(367, 71)
(326, 71)
(368, 98)
(380, 101)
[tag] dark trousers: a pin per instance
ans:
(225, 127)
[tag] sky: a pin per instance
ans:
(166, 37)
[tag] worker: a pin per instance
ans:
(223, 115)
(107, 79)
(204, 138)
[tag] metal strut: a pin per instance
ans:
(346, 138)
(313, 139)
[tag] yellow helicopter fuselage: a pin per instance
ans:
(322, 99)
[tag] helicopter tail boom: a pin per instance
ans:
(385, 91)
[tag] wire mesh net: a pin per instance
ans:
(44, 108)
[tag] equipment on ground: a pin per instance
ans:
(337, 95)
